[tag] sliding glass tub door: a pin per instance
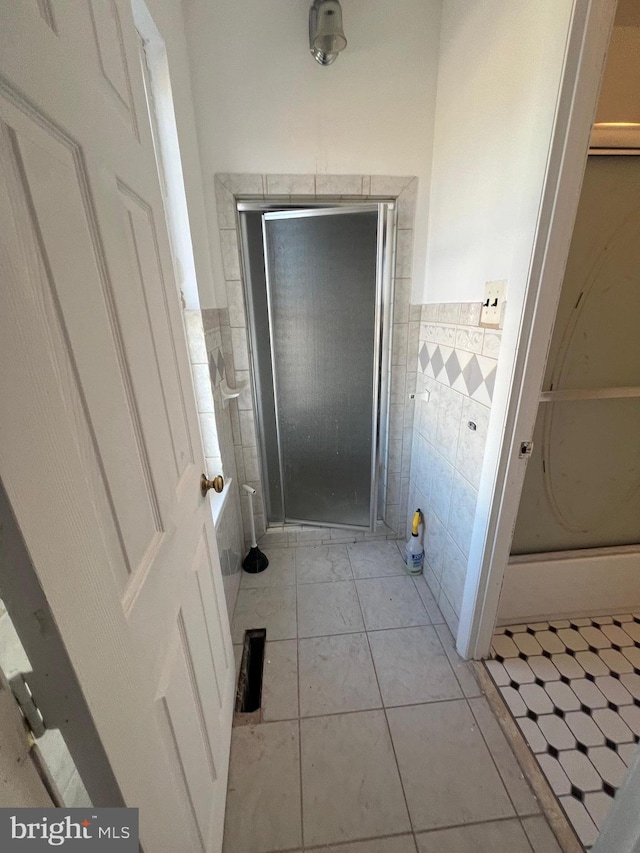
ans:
(324, 303)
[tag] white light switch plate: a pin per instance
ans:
(493, 303)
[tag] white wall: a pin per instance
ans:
(497, 83)
(167, 17)
(263, 104)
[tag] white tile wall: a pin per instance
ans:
(456, 363)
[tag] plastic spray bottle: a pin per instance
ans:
(413, 552)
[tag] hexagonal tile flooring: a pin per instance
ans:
(573, 688)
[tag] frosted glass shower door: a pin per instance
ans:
(323, 289)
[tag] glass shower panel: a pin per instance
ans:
(324, 295)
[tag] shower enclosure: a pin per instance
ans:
(318, 296)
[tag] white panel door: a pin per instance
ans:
(100, 452)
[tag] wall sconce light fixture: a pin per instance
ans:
(326, 36)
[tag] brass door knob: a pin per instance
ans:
(217, 484)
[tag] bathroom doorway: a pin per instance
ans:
(318, 295)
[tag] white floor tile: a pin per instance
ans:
(505, 836)
(412, 666)
(264, 782)
(273, 608)
(584, 729)
(557, 778)
(397, 844)
(580, 770)
(328, 608)
(429, 601)
(579, 817)
(280, 681)
(540, 835)
(390, 603)
(598, 805)
(515, 783)
(350, 783)
(448, 774)
(322, 563)
(376, 559)
(337, 675)
(463, 669)
(609, 765)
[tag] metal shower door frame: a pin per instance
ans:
(381, 342)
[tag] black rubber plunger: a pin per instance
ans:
(255, 561)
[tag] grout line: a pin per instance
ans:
(495, 763)
(386, 719)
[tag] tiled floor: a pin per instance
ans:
(573, 687)
(375, 736)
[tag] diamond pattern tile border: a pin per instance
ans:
(573, 688)
(471, 374)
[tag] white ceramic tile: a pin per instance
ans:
(291, 185)
(498, 672)
(264, 782)
(632, 654)
(448, 428)
(598, 805)
(613, 690)
(338, 185)
(527, 643)
(540, 835)
(627, 752)
(617, 635)
(505, 647)
(514, 781)
(491, 343)
(280, 681)
(631, 716)
(532, 734)
(444, 737)
(536, 698)
(412, 666)
(337, 675)
(584, 729)
(242, 183)
(632, 629)
(505, 836)
(375, 559)
(350, 783)
(273, 608)
(543, 668)
(562, 696)
(390, 603)
(225, 205)
(404, 252)
(609, 765)
(556, 777)
(319, 563)
(575, 667)
(401, 301)
(579, 817)
(556, 731)
(240, 350)
(588, 693)
(397, 844)
(618, 662)
(230, 257)
(463, 669)
(613, 726)
(429, 601)
(595, 637)
(281, 570)
(462, 513)
(580, 770)
(519, 671)
(328, 608)
(399, 341)
(550, 642)
(454, 570)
